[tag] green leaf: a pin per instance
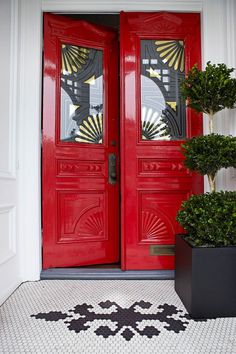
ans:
(209, 218)
(210, 90)
(209, 153)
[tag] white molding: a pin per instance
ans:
(11, 210)
(29, 113)
(219, 46)
(13, 85)
(10, 173)
(230, 177)
(108, 6)
(231, 33)
(231, 58)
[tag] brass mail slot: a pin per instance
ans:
(162, 250)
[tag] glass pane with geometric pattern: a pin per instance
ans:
(81, 94)
(163, 112)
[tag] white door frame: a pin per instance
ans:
(218, 45)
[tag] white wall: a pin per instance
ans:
(9, 211)
(20, 200)
(219, 46)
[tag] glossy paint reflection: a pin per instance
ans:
(154, 179)
(80, 207)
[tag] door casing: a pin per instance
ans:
(167, 262)
(216, 17)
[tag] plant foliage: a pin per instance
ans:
(211, 90)
(207, 154)
(210, 219)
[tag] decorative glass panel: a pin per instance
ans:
(163, 113)
(81, 95)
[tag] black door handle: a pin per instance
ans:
(112, 168)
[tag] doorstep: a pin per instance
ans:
(105, 274)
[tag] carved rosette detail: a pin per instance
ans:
(94, 224)
(163, 24)
(153, 227)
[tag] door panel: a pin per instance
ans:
(80, 132)
(157, 49)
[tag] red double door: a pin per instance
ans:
(113, 174)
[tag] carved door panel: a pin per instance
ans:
(157, 49)
(80, 144)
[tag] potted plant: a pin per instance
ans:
(205, 275)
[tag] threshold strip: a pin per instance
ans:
(105, 274)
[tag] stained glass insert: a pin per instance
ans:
(81, 94)
(163, 113)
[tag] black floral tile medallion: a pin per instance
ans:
(126, 320)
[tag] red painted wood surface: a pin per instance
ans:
(80, 207)
(153, 178)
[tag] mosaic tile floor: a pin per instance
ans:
(107, 316)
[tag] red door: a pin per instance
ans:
(80, 144)
(157, 49)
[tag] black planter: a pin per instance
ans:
(205, 279)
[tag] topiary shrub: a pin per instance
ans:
(210, 219)
(209, 153)
(210, 90)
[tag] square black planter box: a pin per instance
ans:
(205, 279)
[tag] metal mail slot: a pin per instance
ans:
(162, 250)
